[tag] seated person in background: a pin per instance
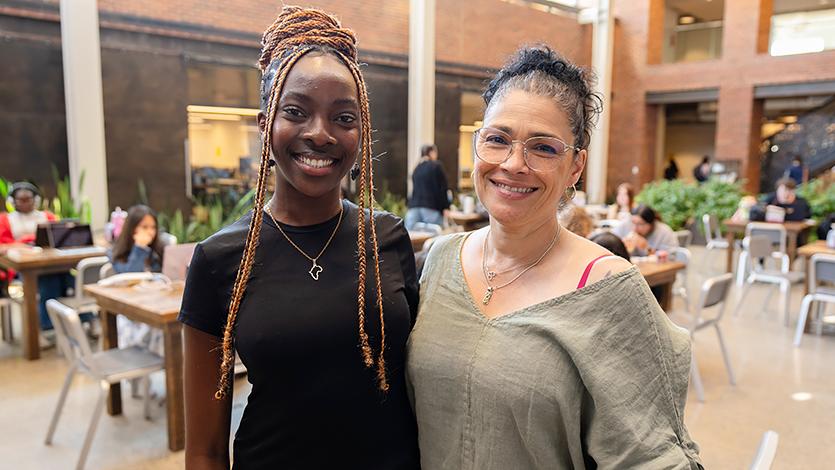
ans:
(624, 202)
(576, 220)
(20, 226)
(648, 233)
(138, 249)
(611, 242)
(796, 207)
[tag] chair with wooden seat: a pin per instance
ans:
(821, 269)
(106, 367)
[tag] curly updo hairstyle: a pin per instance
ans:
(296, 32)
(543, 71)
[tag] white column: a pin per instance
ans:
(601, 59)
(85, 113)
(421, 110)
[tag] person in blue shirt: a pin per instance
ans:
(796, 170)
(138, 247)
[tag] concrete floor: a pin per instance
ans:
(791, 391)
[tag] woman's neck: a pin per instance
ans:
(521, 244)
(291, 207)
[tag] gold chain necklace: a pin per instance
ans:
(490, 275)
(316, 269)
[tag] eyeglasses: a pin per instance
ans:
(541, 153)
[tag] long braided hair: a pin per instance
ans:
(296, 32)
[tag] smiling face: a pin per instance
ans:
(513, 193)
(316, 131)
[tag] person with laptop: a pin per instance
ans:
(20, 226)
(138, 249)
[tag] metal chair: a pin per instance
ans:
(88, 272)
(12, 294)
(714, 293)
(107, 367)
(776, 233)
(713, 235)
(822, 268)
(756, 247)
(682, 288)
(685, 238)
(766, 451)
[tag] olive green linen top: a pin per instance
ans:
(595, 378)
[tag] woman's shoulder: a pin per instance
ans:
(389, 226)
(602, 262)
(228, 242)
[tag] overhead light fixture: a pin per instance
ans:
(686, 19)
(222, 110)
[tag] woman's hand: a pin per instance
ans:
(143, 238)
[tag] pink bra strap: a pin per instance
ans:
(586, 273)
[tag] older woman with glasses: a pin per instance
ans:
(536, 348)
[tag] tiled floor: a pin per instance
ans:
(791, 391)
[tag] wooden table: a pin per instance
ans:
(159, 309)
(32, 262)
(793, 230)
(471, 221)
(419, 238)
(661, 274)
(807, 251)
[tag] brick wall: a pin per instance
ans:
(744, 65)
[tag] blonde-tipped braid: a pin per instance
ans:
(296, 32)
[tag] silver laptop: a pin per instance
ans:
(175, 260)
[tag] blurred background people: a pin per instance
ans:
(671, 172)
(796, 171)
(649, 234)
(429, 201)
(611, 242)
(576, 220)
(624, 202)
(702, 171)
(786, 197)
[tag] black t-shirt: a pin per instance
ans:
(313, 402)
(429, 186)
(797, 211)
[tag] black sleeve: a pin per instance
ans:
(807, 211)
(407, 266)
(442, 186)
(202, 307)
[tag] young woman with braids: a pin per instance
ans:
(534, 347)
(315, 294)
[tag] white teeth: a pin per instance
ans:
(316, 162)
(514, 189)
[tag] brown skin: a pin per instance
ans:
(24, 201)
(317, 116)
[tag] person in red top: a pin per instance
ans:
(20, 227)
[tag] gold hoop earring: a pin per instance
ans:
(573, 191)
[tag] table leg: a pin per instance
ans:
(791, 247)
(666, 299)
(31, 320)
(174, 397)
(729, 262)
(110, 340)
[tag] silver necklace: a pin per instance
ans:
(316, 269)
(490, 275)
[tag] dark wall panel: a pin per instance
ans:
(447, 120)
(33, 128)
(145, 127)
